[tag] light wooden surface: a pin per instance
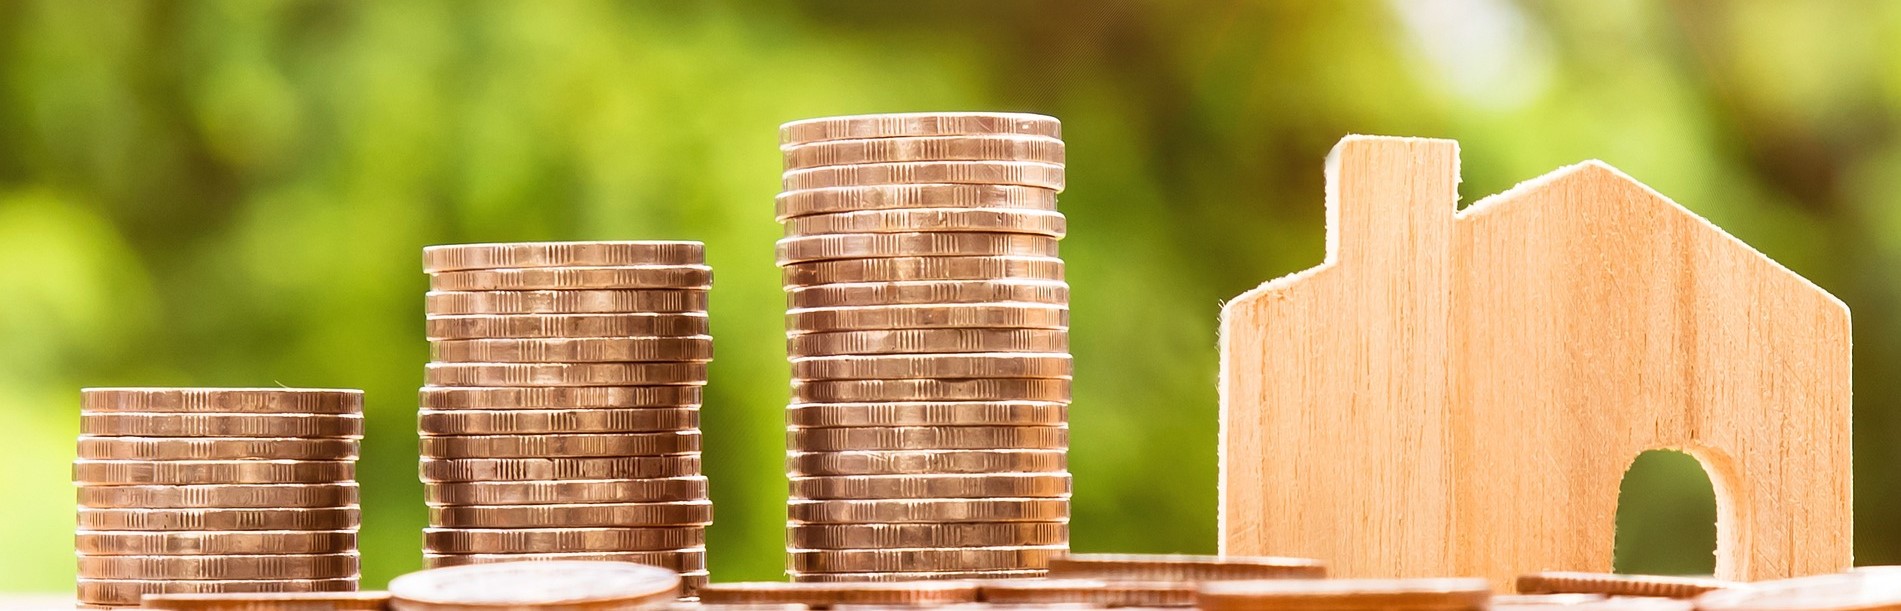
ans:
(1460, 394)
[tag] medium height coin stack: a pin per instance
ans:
(190, 490)
(561, 416)
(927, 328)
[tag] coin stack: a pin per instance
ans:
(187, 490)
(561, 416)
(927, 327)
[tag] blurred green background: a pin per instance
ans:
(236, 193)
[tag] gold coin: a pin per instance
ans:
(1032, 222)
(586, 420)
(904, 462)
(1541, 600)
(854, 391)
(1613, 584)
(879, 245)
(529, 469)
(197, 496)
(562, 585)
(564, 374)
(112, 472)
(927, 438)
(573, 350)
(564, 302)
(933, 292)
(999, 147)
(560, 540)
(566, 278)
(267, 566)
(928, 341)
(901, 269)
(886, 536)
(934, 366)
(947, 413)
(794, 204)
(110, 543)
(528, 326)
(221, 448)
(948, 559)
(269, 601)
(825, 596)
(1330, 594)
(1176, 567)
(127, 592)
(891, 576)
(1864, 588)
(685, 513)
(130, 424)
(677, 560)
(928, 316)
(892, 125)
(846, 511)
(454, 257)
(1090, 591)
(870, 487)
(223, 400)
(1022, 173)
(561, 397)
(322, 518)
(657, 490)
(561, 445)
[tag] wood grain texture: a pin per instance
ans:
(1461, 393)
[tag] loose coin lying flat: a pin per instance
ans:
(148, 543)
(269, 601)
(586, 420)
(1540, 600)
(929, 510)
(855, 391)
(525, 469)
(481, 326)
(561, 445)
(128, 424)
(874, 245)
(928, 341)
(825, 596)
(999, 147)
(927, 438)
(223, 400)
(949, 559)
(1611, 584)
(549, 585)
(127, 592)
(225, 448)
(1860, 590)
(1090, 591)
(884, 536)
(564, 374)
(931, 292)
(573, 350)
(570, 278)
(564, 302)
(918, 124)
(267, 566)
(793, 204)
(1033, 222)
(561, 397)
(323, 518)
(110, 472)
(905, 576)
(929, 316)
(946, 413)
(900, 269)
(233, 496)
(1175, 567)
(561, 254)
(570, 491)
(1330, 594)
(556, 540)
(685, 560)
(1558, 602)
(690, 513)
(870, 487)
(901, 462)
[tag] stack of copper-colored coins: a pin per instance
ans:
(216, 490)
(928, 334)
(561, 416)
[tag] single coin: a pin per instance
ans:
(686, 513)
(114, 472)
(564, 374)
(1090, 591)
(586, 420)
(825, 595)
(1860, 590)
(948, 559)
(656, 490)
(999, 147)
(219, 448)
(1180, 567)
(127, 592)
(903, 462)
(928, 341)
(946, 413)
(498, 326)
(1032, 222)
(528, 469)
(573, 350)
(935, 366)
(569, 278)
(561, 445)
(147, 543)
(700, 606)
(319, 518)
(854, 391)
(223, 400)
(561, 254)
(269, 601)
(1023, 173)
(929, 510)
(564, 302)
(869, 487)
(927, 438)
(1317, 594)
(557, 540)
(129, 424)
(885, 536)
(876, 245)
(561, 397)
(1540, 600)
(891, 576)
(1612, 584)
(893, 125)
(900, 269)
(233, 496)
(933, 292)
(928, 316)
(267, 566)
(794, 204)
(684, 560)
(1563, 602)
(557, 585)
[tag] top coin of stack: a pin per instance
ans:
(927, 327)
(561, 419)
(203, 490)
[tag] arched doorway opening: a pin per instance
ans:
(1666, 516)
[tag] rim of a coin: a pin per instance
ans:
(689, 560)
(980, 220)
(246, 519)
(902, 269)
(928, 292)
(579, 539)
(159, 543)
(806, 249)
(1093, 591)
(951, 558)
(1556, 602)
(268, 601)
(583, 277)
(889, 125)
(928, 413)
(129, 591)
(900, 462)
(140, 472)
(559, 397)
(928, 316)
(959, 147)
(1024, 173)
(927, 438)
(975, 389)
(225, 496)
(651, 490)
(578, 301)
(928, 341)
(1184, 567)
(905, 576)
(204, 424)
(965, 534)
(557, 421)
(572, 350)
(680, 513)
(794, 204)
(935, 366)
(561, 445)
(565, 374)
(562, 584)
(536, 326)
(436, 470)
(826, 595)
(216, 448)
(1426, 593)
(223, 400)
(454, 257)
(874, 487)
(894, 511)
(1858, 590)
(1618, 584)
(221, 567)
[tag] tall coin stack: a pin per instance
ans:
(927, 328)
(189, 490)
(561, 417)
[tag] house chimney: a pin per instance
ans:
(1390, 203)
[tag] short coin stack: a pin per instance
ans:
(216, 490)
(561, 416)
(927, 328)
